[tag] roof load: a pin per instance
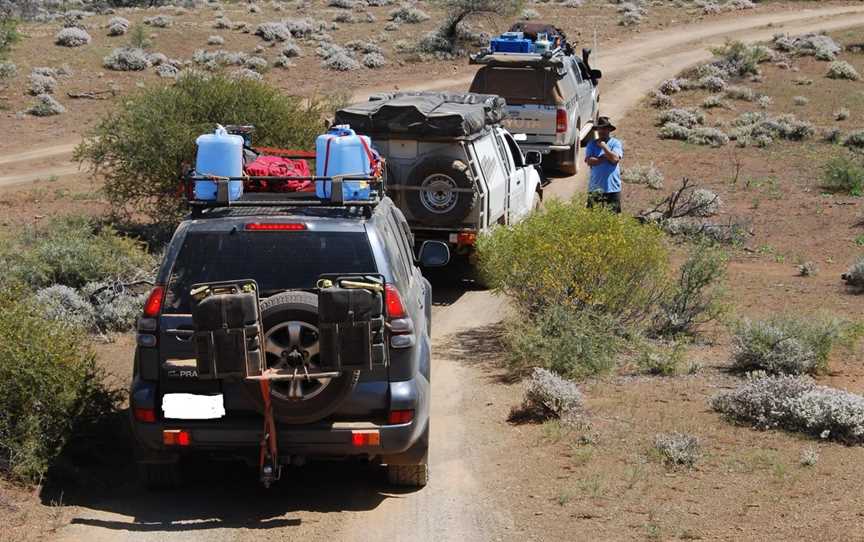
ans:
(423, 114)
(531, 30)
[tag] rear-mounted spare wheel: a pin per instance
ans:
(291, 341)
(434, 203)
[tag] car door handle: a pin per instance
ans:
(181, 334)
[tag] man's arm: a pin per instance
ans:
(592, 160)
(609, 154)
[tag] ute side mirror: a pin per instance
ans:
(533, 158)
(596, 74)
(434, 254)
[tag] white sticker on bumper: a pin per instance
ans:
(187, 406)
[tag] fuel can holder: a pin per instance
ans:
(351, 315)
(228, 330)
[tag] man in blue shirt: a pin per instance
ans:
(603, 156)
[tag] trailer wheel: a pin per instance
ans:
(433, 203)
(291, 324)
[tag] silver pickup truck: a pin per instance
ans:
(552, 98)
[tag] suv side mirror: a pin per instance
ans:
(434, 254)
(533, 158)
(596, 74)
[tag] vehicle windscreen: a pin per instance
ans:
(277, 261)
(517, 85)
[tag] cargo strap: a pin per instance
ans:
(370, 155)
(268, 460)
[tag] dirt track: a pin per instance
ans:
(463, 500)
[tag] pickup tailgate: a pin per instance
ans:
(533, 120)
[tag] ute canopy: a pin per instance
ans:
(524, 85)
(423, 114)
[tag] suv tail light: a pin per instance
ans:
(401, 325)
(153, 305)
(400, 416)
(146, 415)
(561, 121)
(395, 308)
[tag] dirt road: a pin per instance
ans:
(467, 496)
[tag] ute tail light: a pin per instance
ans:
(561, 121)
(466, 238)
(153, 305)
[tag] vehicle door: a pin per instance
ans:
(515, 171)
(411, 287)
(585, 90)
(487, 156)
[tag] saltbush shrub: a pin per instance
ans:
(739, 59)
(841, 69)
(688, 118)
(795, 403)
(677, 449)
(50, 387)
(855, 140)
(46, 106)
(409, 14)
(648, 175)
(788, 344)
(126, 59)
(273, 32)
(575, 257)
(811, 44)
(854, 276)
(66, 306)
(71, 251)
(547, 395)
(41, 84)
(707, 135)
(72, 37)
(159, 21)
(141, 146)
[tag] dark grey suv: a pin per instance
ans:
(381, 414)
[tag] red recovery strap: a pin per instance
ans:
(373, 162)
(269, 440)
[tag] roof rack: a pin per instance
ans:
(554, 57)
(282, 199)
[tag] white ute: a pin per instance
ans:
(452, 168)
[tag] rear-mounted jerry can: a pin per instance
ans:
(351, 327)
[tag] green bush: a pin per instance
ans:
(8, 35)
(790, 344)
(694, 298)
(142, 146)
(577, 258)
(844, 175)
(572, 343)
(71, 251)
(50, 388)
(661, 359)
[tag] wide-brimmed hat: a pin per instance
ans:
(604, 122)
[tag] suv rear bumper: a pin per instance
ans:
(239, 434)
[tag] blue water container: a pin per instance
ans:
(511, 42)
(342, 152)
(219, 154)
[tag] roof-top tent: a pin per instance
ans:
(423, 115)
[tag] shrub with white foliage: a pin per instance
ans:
(41, 84)
(786, 344)
(547, 395)
(246, 73)
(46, 106)
(818, 45)
(713, 83)
(707, 135)
(341, 4)
(409, 14)
(677, 449)
(795, 403)
(374, 60)
(115, 307)
(159, 21)
(673, 130)
(854, 276)
(8, 70)
(215, 40)
(648, 175)
(291, 50)
(683, 117)
(273, 32)
(256, 63)
(167, 71)
(841, 69)
(127, 59)
(117, 26)
(72, 37)
(66, 306)
(529, 14)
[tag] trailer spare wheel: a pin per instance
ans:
(435, 203)
(291, 341)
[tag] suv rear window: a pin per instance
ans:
(517, 85)
(276, 260)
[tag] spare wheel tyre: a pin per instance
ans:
(291, 341)
(434, 203)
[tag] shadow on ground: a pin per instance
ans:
(218, 495)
